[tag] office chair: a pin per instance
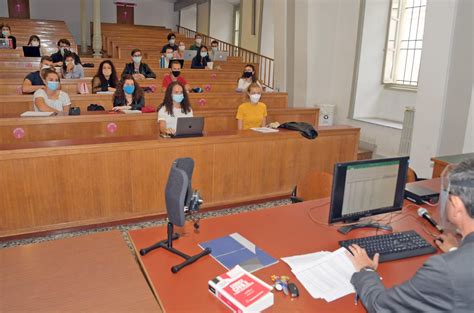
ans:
(180, 198)
(314, 185)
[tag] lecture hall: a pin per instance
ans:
(236, 156)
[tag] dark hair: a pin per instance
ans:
(171, 35)
(46, 58)
(135, 51)
(113, 76)
(120, 93)
(197, 34)
(198, 55)
(70, 54)
(254, 77)
(7, 26)
(64, 41)
(175, 62)
(48, 71)
(33, 37)
(168, 100)
(214, 41)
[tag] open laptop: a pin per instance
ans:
(419, 194)
(29, 51)
(189, 54)
(189, 127)
(220, 56)
(4, 43)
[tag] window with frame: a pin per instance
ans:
(404, 43)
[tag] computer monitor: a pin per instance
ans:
(365, 188)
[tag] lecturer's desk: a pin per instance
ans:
(91, 273)
(281, 231)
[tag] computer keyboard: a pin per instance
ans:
(392, 246)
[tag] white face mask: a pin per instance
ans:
(44, 67)
(182, 48)
(169, 56)
(171, 41)
(35, 43)
(137, 59)
(255, 98)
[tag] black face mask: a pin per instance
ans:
(175, 73)
(248, 74)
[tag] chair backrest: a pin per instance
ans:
(411, 176)
(314, 185)
(178, 190)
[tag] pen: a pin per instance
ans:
(356, 298)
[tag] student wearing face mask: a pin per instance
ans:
(70, 69)
(136, 68)
(7, 33)
(167, 58)
(106, 78)
(51, 98)
(35, 41)
(171, 43)
(214, 49)
(179, 54)
(248, 78)
(197, 43)
(174, 76)
(201, 59)
(64, 46)
(253, 113)
(34, 80)
(175, 104)
(128, 95)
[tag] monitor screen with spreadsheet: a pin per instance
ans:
(368, 187)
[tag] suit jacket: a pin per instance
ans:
(445, 283)
(143, 69)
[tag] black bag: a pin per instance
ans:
(88, 65)
(306, 130)
(74, 111)
(95, 107)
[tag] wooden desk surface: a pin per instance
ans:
(92, 273)
(281, 231)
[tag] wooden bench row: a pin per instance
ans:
(98, 124)
(15, 105)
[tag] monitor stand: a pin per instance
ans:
(345, 229)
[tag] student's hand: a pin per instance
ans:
(360, 259)
(123, 107)
(111, 89)
(136, 76)
(70, 67)
(447, 241)
(170, 131)
(141, 76)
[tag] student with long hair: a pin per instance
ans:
(175, 104)
(51, 98)
(253, 113)
(7, 33)
(106, 78)
(128, 95)
(71, 69)
(201, 59)
(248, 77)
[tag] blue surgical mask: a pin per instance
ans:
(129, 89)
(53, 85)
(178, 98)
(203, 54)
(137, 59)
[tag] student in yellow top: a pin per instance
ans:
(254, 113)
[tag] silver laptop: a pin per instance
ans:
(4, 43)
(189, 54)
(220, 56)
(189, 127)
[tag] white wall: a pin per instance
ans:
(147, 12)
(203, 18)
(267, 40)
(222, 19)
(469, 136)
(188, 17)
(372, 99)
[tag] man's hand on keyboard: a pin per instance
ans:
(446, 242)
(360, 259)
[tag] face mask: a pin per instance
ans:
(53, 85)
(214, 49)
(63, 50)
(35, 43)
(5, 33)
(182, 48)
(198, 41)
(255, 98)
(44, 67)
(171, 41)
(69, 62)
(203, 54)
(129, 89)
(107, 72)
(137, 59)
(169, 56)
(175, 73)
(248, 74)
(178, 98)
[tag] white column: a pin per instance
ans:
(84, 22)
(97, 40)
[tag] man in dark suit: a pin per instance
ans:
(445, 283)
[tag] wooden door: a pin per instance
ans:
(19, 8)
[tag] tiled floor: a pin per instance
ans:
(147, 224)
